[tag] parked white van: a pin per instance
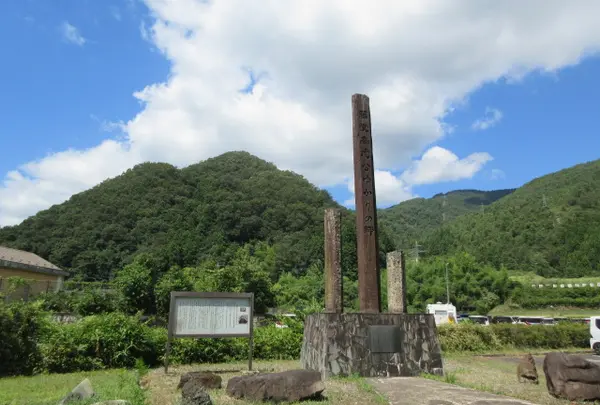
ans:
(443, 313)
(595, 334)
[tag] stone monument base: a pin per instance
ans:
(371, 344)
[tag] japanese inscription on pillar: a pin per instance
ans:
(366, 207)
(333, 261)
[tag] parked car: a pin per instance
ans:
(594, 323)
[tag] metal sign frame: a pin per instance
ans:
(208, 295)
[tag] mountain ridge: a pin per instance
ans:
(183, 217)
(550, 225)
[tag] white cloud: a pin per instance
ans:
(492, 117)
(497, 174)
(389, 189)
(38, 185)
(316, 55)
(439, 165)
(435, 166)
(71, 34)
(116, 13)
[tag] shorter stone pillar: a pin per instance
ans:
(396, 282)
(333, 261)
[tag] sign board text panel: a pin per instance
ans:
(212, 316)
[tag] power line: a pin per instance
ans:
(417, 250)
(444, 202)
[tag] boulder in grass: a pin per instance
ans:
(194, 393)
(203, 378)
(572, 377)
(82, 391)
(288, 386)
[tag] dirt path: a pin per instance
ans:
(421, 391)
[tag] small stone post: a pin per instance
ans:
(333, 261)
(396, 282)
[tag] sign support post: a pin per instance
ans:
(210, 315)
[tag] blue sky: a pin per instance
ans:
(58, 93)
(73, 67)
(549, 123)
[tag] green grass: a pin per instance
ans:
(547, 312)
(496, 375)
(48, 389)
(529, 278)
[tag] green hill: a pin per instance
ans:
(185, 216)
(410, 220)
(550, 226)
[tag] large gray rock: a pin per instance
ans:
(571, 377)
(193, 393)
(203, 378)
(82, 391)
(290, 386)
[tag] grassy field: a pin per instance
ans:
(49, 389)
(485, 373)
(498, 376)
(532, 278)
(547, 312)
(340, 391)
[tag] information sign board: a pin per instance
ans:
(210, 314)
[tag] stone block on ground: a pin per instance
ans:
(203, 378)
(572, 377)
(82, 391)
(193, 393)
(526, 370)
(289, 386)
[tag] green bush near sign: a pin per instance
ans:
(33, 344)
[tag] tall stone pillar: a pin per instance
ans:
(333, 261)
(396, 282)
(367, 247)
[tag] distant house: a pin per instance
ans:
(40, 275)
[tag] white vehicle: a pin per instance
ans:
(530, 320)
(480, 319)
(595, 334)
(443, 313)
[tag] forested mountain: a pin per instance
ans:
(550, 225)
(209, 210)
(187, 216)
(410, 220)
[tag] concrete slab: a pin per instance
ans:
(421, 391)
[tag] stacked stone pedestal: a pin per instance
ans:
(371, 344)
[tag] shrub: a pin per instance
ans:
(135, 286)
(88, 301)
(118, 340)
(101, 341)
(173, 280)
(22, 325)
(478, 338)
(270, 343)
(93, 301)
(61, 301)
